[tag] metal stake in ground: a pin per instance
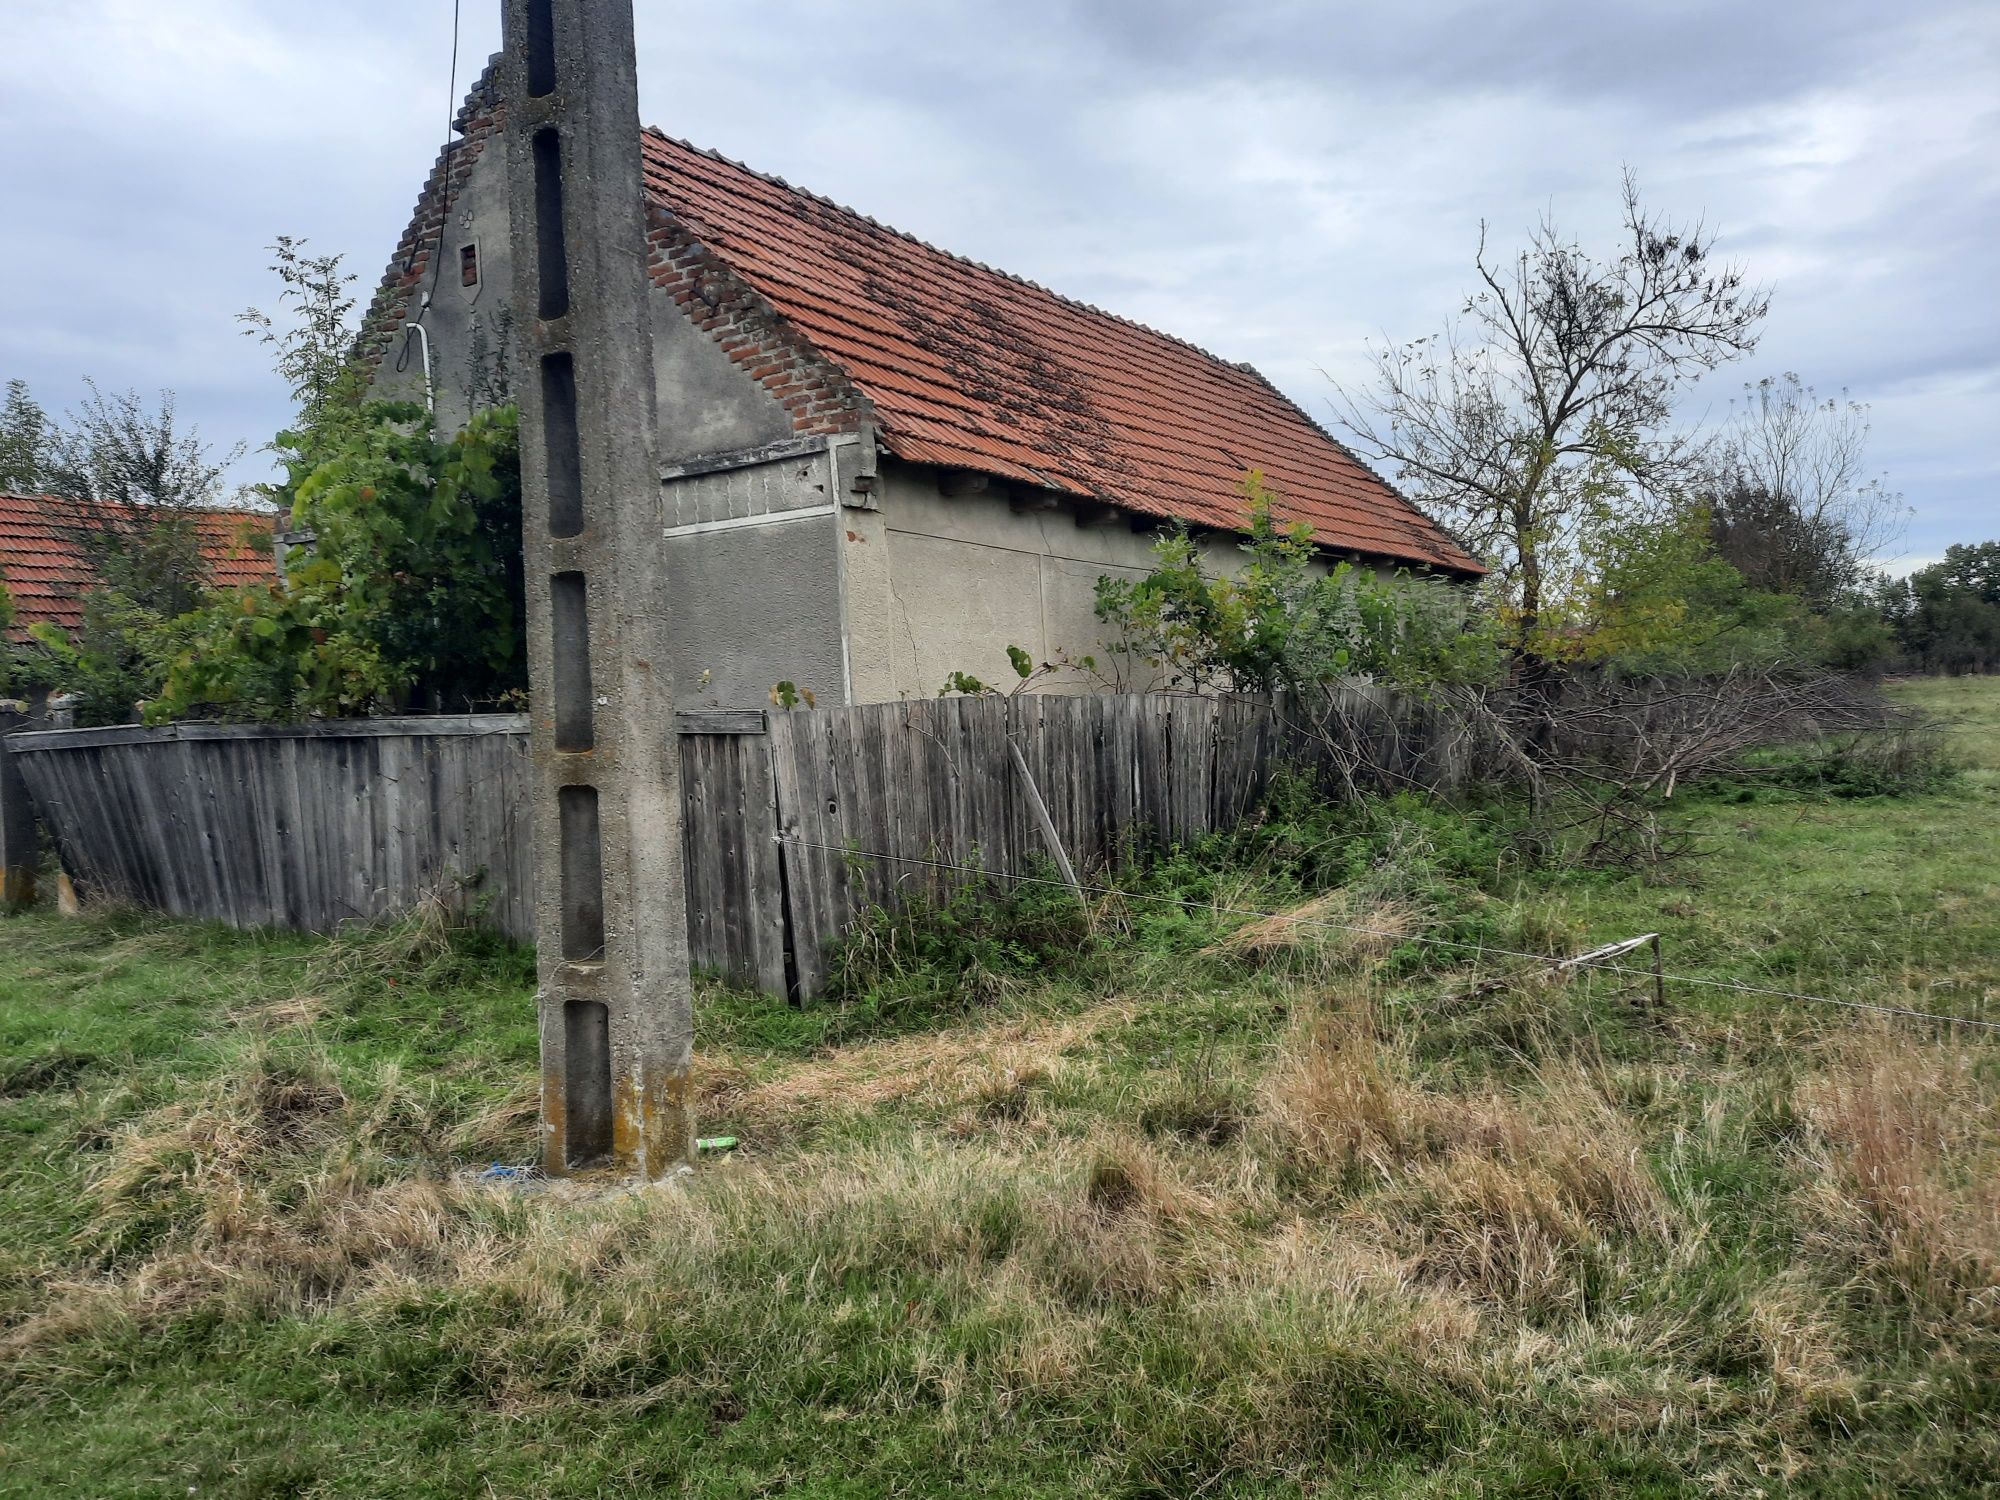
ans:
(616, 1010)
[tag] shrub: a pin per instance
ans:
(935, 954)
(1280, 622)
(1902, 760)
(412, 592)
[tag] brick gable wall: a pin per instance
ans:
(479, 123)
(816, 395)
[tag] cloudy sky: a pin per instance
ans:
(1276, 180)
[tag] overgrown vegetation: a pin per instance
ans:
(144, 551)
(311, 340)
(404, 590)
(1546, 411)
(1281, 622)
(1178, 1202)
(1541, 426)
(410, 592)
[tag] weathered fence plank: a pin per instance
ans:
(795, 823)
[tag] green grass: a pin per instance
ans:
(1970, 709)
(1062, 1203)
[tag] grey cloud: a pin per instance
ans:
(1669, 55)
(1275, 179)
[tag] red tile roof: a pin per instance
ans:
(968, 367)
(45, 573)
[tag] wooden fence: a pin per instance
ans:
(301, 826)
(794, 822)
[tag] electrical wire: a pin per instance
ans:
(450, 145)
(444, 192)
(1609, 966)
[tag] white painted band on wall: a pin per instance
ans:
(737, 523)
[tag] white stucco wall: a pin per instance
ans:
(938, 584)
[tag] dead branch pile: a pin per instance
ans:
(1599, 753)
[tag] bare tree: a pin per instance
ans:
(1548, 402)
(1792, 504)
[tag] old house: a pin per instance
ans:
(881, 463)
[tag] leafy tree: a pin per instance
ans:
(113, 447)
(1972, 570)
(147, 544)
(24, 441)
(1659, 602)
(23, 669)
(410, 595)
(142, 552)
(113, 663)
(1546, 408)
(1855, 637)
(314, 342)
(1947, 616)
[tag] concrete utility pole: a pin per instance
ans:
(611, 929)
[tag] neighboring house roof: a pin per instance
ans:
(45, 573)
(968, 367)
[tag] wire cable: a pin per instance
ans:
(444, 195)
(450, 145)
(1609, 966)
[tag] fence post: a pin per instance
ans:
(20, 831)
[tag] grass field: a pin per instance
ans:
(1144, 1204)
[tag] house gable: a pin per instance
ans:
(730, 371)
(447, 203)
(702, 409)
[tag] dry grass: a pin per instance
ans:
(1904, 1153)
(268, 1188)
(1501, 1193)
(1336, 926)
(1375, 1247)
(984, 1068)
(288, 1013)
(1336, 1101)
